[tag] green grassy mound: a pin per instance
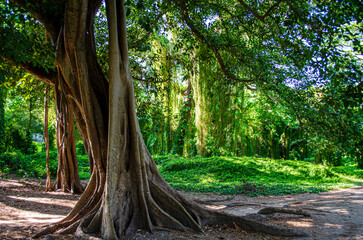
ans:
(223, 175)
(254, 176)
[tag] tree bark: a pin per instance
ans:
(67, 172)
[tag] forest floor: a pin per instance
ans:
(25, 207)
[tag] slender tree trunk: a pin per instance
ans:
(30, 114)
(285, 143)
(185, 114)
(2, 117)
(48, 185)
(198, 84)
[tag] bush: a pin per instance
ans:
(33, 165)
(16, 140)
(80, 148)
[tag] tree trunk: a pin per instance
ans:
(201, 114)
(67, 172)
(48, 185)
(132, 194)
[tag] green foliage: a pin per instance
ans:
(34, 165)
(16, 140)
(301, 58)
(23, 39)
(253, 176)
(80, 148)
(28, 165)
(83, 167)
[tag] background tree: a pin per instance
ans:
(48, 185)
(35, 54)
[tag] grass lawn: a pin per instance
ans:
(224, 175)
(254, 176)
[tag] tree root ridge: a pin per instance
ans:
(271, 210)
(173, 208)
(251, 223)
(172, 212)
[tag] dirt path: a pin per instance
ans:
(338, 214)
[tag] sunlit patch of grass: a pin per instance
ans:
(254, 176)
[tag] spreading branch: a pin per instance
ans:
(51, 21)
(48, 76)
(196, 32)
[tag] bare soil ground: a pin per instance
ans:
(25, 207)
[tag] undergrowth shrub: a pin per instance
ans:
(253, 176)
(34, 165)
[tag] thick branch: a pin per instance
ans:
(48, 76)
(52, 21)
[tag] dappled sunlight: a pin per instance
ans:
(264, 176)
(207, 179)
(28, 218)
(25, 207)
(215, 207)
(332, 225)
(301, 223)
(32, 200)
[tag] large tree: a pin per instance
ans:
(25, 43)
(126, 191)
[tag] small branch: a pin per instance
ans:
(251, 88)
(145, 80)
(259, 17)
(138, 79)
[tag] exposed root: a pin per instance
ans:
(69, 230)
(80, 234)
(251, 223)
(229, 205)
(166, 208)
(271, 210)
(173, 208)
